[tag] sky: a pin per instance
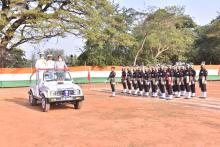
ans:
(202, 11)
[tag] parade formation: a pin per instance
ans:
(163, 81)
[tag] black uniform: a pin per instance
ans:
(123, 79)
(182, 86)
(134, 79)
(177, 81)
(140, 80)
(161, 78)
(187, 80)
(129, 79)
(147, 81)
(154, 80)
(193, 80)
(173, 84)
(169, 81)
(112, 80)
(202, 79)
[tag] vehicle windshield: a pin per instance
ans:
(57, 76)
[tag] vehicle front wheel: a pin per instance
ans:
(78, 105)
(45, 105)
(32, 100)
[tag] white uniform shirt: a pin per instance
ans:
(50, 64)
(41, 64)
(60, 65)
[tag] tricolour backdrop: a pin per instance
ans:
(18, 77)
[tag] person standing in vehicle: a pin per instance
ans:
(50, 62)
(41, 65)
(60, 64)
(111, 77)
(203, 74)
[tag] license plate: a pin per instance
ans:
(66, 98)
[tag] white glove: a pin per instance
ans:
(205, 82)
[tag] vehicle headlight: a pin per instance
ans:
(77, 91)
(53, 93)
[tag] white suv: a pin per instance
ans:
(56, 87)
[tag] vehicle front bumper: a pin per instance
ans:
(65, 99)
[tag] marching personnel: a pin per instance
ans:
(140, 80)
(203, 80)
(193, 81)
(134, 81)
(129, 80)
(182, 86)
(169, 83)
(161, 83)
(154, 81)
(146, 82)
(187, 82)
(123, 80)
(173, 68)
(112, 80)
(177, 81)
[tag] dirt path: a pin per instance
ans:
(105, 121)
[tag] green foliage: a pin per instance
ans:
(207, 44)
(112, 46)
(169, 35)
(14, 58)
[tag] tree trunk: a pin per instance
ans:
(142, 46)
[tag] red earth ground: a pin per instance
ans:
(122, 121)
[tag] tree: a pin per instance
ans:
(34, 20)
(112, 45)
(14, 58)
(207, 44)
(169, 35)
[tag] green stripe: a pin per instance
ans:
(25, 83)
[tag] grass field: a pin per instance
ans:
(122, 121)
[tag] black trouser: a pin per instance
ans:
(146, 86)
(177, 86)
(124, 84)
(129, 84)
(174, 87)
(182, 87)
(193, 88)
(134, 84)
(154, 87)
(202, 86)
(187, 86)
(161, 87)
(112, 87)
(169, 88)
(140, 85)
